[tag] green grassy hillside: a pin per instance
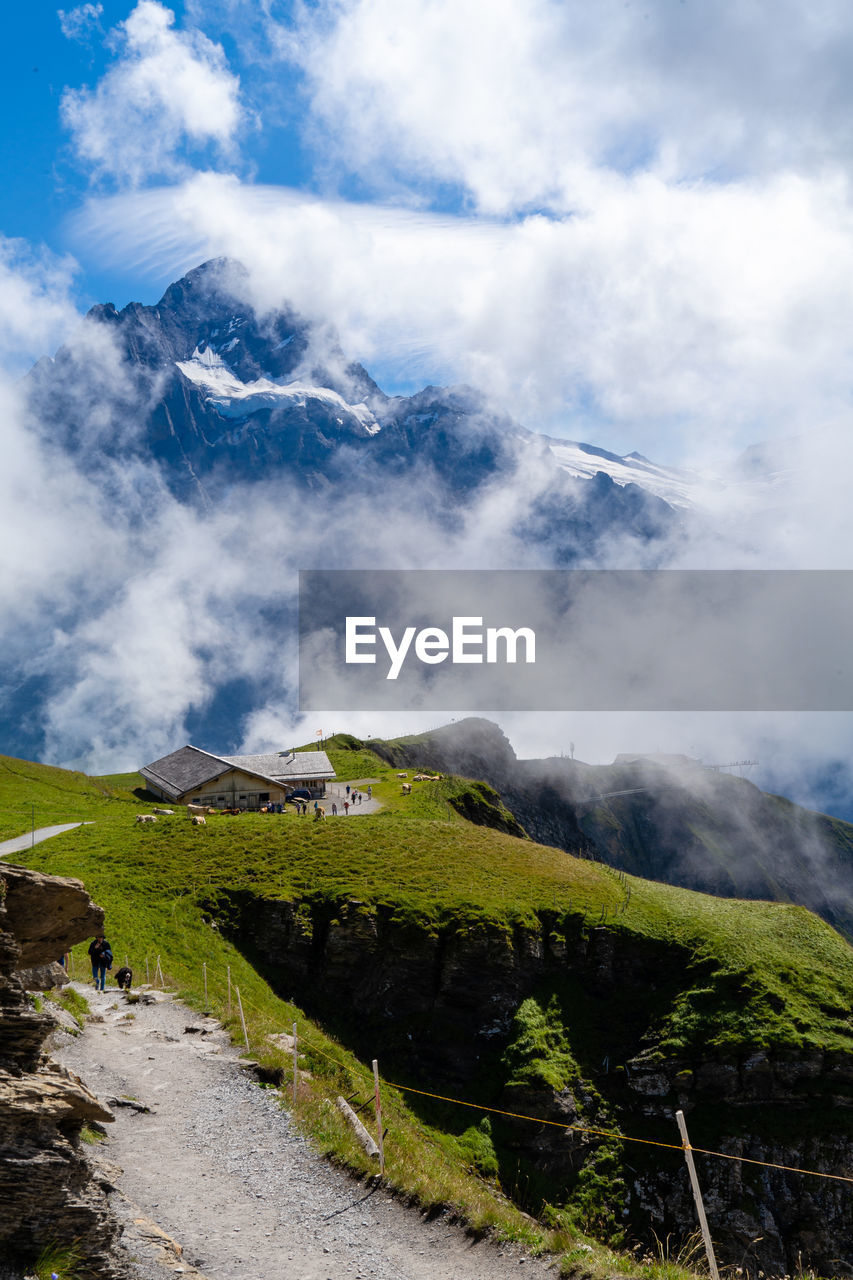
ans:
(733, 976)
(675, 821)
(778, 975)
(40, 795)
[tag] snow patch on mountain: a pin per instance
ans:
(677, 488)
(233, 398)
(754, 483)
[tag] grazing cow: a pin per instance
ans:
(195, 808)
(407, 788)
(198, 820)
(319, 812)
(145, 817)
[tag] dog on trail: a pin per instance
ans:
(124, 978)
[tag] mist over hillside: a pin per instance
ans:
(666, 819)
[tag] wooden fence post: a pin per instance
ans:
(229, 991)
(295, 1064)
(378, 1101)
(204, 971)
(242, 1018)
(697, 1195)
(147, 973)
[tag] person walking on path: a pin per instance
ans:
(101, 955)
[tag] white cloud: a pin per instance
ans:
(168, 90)
(149, 607)
(42, 499)
(685, 294)
(678, 320)
(520, 102)
(35, 305)
(81, 22)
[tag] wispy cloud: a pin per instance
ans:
(169, 91)
(137, 621)
(82, 22)
(653, 237)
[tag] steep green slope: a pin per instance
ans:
(789, 976)
(489, 968)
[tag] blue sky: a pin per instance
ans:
(630, 222)
(45, 182)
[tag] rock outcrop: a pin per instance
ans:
(48, 1194)
(439, 1003)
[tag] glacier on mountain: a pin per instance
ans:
(233, 398)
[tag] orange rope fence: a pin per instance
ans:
(557, 1124)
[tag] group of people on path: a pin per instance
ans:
(353, 798)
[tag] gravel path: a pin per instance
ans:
(216, 1166)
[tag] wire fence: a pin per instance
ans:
(239, 1004)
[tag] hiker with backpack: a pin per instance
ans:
(101, 955)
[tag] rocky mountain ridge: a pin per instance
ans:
(216, 394)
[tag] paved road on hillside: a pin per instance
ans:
(217, 1166)
(19, 843)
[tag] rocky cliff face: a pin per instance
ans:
(439, 1004)
(47, 1192)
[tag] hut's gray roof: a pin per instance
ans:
(281, 766)
(184, 770)
(190, 768)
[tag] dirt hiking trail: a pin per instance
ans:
(213, 1181)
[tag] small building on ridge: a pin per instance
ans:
(193, 776)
